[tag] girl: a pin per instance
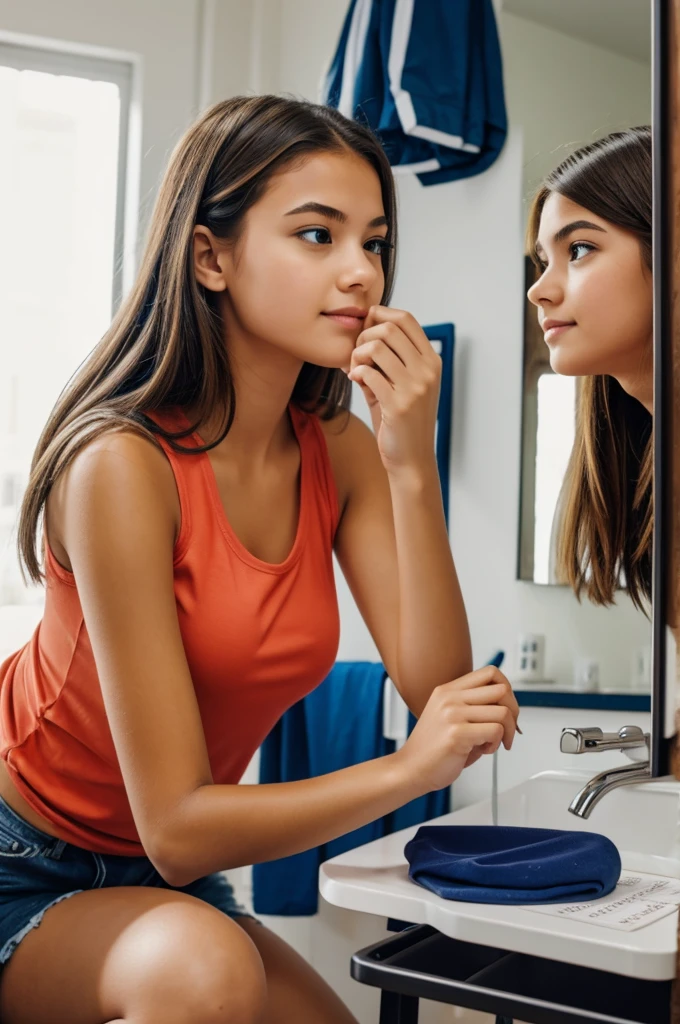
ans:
(196, 476)
(590, 235)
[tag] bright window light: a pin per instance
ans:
(554, 441)
(58, 205)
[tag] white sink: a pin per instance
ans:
(642, 821)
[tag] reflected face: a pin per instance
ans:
(594, 296)
(307, 266)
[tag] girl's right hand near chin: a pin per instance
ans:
(461, 721)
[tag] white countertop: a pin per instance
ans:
(374, 879)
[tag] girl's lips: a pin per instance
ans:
(554, 332)
(344, 320)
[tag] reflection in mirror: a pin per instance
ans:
(612, 93)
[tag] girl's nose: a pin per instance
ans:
(359, 269)
(532, 294)
(547, 289)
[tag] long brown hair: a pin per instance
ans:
(166, 346)
(606, 506)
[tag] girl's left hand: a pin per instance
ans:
(399, 373)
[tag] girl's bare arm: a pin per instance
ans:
(116, 511)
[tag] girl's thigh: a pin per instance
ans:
(136, 954)
(295, 991)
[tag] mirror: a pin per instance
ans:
(665, 756)
(591, 75)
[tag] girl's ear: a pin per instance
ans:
(209, 260)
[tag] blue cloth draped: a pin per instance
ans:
(338, 724)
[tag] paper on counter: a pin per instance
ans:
(637, 900)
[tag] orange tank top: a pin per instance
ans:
(257, 637)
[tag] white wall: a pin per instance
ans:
(574, 92)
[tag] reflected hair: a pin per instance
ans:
(606, 507)
(166, 344)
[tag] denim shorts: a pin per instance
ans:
(37, 871)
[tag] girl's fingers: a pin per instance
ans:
(406, 323)
(494, 693)
(487, 735)
(380, 355)
(494, 713)
(375, 381)
(393, 338)
(481, 681)
(491, 694)
(482, 677)
(486, 685)
(474, 756)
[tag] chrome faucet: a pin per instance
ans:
(630, 740)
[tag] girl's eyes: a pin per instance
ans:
(573, 249)
(580, 245)
(381, 244)
(322, 236)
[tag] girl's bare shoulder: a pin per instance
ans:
(119, 465)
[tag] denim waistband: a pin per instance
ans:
(50, 845)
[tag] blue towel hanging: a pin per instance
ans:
(426, 76)
(337, 725)
(512, 865)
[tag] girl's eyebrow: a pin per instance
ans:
(575, 225)
(332, 214)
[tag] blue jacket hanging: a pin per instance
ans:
(426, 76)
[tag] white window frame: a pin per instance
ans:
(29, 53)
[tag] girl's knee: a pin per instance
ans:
(191, 962)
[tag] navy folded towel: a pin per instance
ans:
(504, 864)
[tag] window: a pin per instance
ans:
(554, 442)
(64, 128)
